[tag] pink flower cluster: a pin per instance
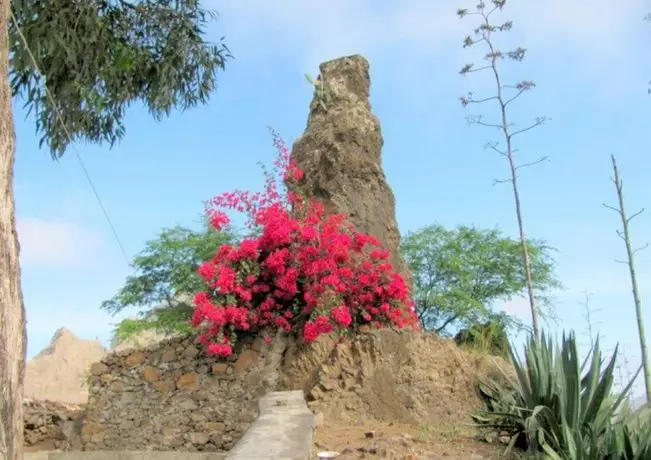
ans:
(304, 272)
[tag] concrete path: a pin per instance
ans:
(283, 431)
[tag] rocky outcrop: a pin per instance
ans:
(341, 153)
(173, 397)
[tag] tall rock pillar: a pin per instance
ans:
(341, 154)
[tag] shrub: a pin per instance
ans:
(565, 408)
(489, 337)
(302, 271)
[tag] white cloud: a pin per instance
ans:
(319, 30)
(57, 244)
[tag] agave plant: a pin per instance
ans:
(630, 436)
(560, 406)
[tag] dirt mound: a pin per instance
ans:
(58, 373)
(390, 376)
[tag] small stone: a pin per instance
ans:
(165, 386)
(215, 426)
(210, 447)
(219, 368)
(116, 387)
(150, 374)
(92, 428)
(135, 359)
(328, 385)
(98, 368)
(168, 355)
(190, 352)
(246, 359)
(189, 381)
(107, 378)
(199, 439)
(319, 419)
(369, 434)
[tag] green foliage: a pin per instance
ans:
(172, 319)
(166, 280)
(459, 274)
(563, 408)
(100, 56)
(489, 337)
(629, 438)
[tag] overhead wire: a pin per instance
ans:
(59, 117)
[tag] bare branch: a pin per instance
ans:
(533, 163)
(539, 121)
(501, 181)
(493, 147)
(478, 121)
(465, 71)
(470, 100)
(635, 215)
(621, 261)
(612, 208)
(641, 248)
(519, 93)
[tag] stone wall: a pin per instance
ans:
(173, 397)
(51, 424)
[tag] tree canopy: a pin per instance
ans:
(98, 57)
(459, 274)
(165, 280)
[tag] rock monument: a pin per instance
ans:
(341, 153)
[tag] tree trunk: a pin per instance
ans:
(12, 310)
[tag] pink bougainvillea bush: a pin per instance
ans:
(304, 272)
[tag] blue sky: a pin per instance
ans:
(589, 60)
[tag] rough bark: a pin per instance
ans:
(12, 310)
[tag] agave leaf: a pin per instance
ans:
(551, 453)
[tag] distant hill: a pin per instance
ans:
(58, 373)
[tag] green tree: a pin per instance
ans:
(459, 274)
(166, 280)
(78, 66)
